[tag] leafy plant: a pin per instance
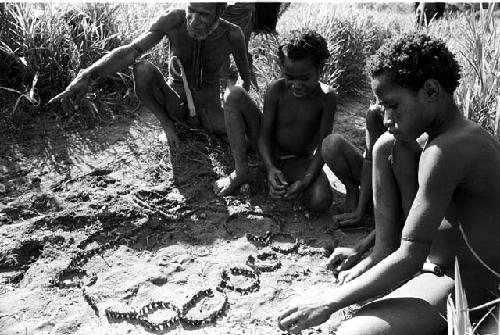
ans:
(479, 47)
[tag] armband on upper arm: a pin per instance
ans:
(415, 240)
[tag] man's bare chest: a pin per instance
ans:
(211, 53)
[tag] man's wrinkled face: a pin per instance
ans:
(201, 18)
(301, 76)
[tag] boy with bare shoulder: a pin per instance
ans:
(451, 190)
(298, 114)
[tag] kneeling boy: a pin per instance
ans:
(298, 114)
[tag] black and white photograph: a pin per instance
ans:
(260, 168)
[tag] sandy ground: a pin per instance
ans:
(64, 192)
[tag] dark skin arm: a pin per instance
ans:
(118, 59)
(275, 177)
(237, 40)
(386, 212)
(374, 128)
(346, 258)
(329, 109)
(437, 184)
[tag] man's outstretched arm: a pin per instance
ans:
(120, 58)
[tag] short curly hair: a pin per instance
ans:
(413, 58)
(301, 44)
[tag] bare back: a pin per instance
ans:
(474, 206)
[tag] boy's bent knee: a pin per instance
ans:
(236, 96)
(331, 145)
(143, 70)
(318, 199)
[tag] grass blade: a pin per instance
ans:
(462, 321)
(450, 309)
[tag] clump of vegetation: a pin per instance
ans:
(479, 48)
(42, 48)
(351, 39)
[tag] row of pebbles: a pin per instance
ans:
(180, 315)
(262, 262)
(271, 240)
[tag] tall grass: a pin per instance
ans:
(43, 46)
(352, 35)
(38, 42)
(475, 38)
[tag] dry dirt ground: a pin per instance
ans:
(156, 228)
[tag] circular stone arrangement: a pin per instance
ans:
(270, 239)
(275, 247)
(260, 262)
(209, 318)
(150, 308)
(264, 239)
(240, 271)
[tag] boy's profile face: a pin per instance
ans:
(404, 109)
(301, 76)
(200, 18)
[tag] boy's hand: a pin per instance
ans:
(277, 182)
(294, 190)
(348, 275)
(343, 259)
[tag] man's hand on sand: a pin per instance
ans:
(305, 313)
(75, 91)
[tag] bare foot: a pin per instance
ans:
(351, 199)
(229, 184)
